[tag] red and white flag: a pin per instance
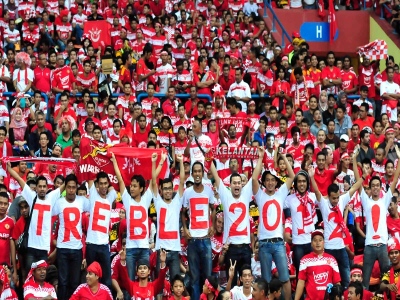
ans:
(98, 33)
(375, 50)
(95, 157)
(333, 27)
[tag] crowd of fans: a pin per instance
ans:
(314, 214)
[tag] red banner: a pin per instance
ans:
(95, 157)
(240, 123)
(98, 33)
(233, 152)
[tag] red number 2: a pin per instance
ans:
(233, 231)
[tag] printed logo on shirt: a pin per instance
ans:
(321, 278)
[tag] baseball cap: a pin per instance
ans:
(89, 120)
(214, 29)
(295, 34)
(344, 137)
(317, 232)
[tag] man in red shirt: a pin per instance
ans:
(331, 77)
(316, 269)
(349, 77)
(203, 79)
(63, 78)
(365, 121)
(366, 76)
(139, 139)
(323, 177)
(42, 78)
(87, 79)
(227, 78)
(64, 108)
(145, 69)
(170, 105)
(6, 229)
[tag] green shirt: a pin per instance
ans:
(64, 143)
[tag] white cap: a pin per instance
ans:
(344, 137)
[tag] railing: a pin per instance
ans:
(44, 95)
(275, 20)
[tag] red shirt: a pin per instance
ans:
(63, 78)
(139, 139)
(6, 231)
(42, 79)
(83, 292)
(328, 73)
(366, 77)
(365, 123)
(323, 180)
(317, 272)
(87, 81)
(225, 83)
(125, 75)
(349, 79)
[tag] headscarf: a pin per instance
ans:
(34, 266)
(95, 268)
(19, 127)
(6, 290)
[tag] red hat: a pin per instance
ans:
(252, 102)
(345, 155)
(64, 13)
(394, 246)
(234, 55)
(389, 129)
(317, 232)
(295, 34)
(95, 268)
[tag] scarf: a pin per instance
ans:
(19, 127)
(308, 216)
(340, 221)
(65, 162)
(35, 265)
(6, 292)
(214, 138)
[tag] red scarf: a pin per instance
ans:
(339, 219)
(26, 76)
(308, 217)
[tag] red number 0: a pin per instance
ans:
(337, 232)
(278, 215)
(233, 230)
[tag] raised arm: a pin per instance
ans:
(215, 175)
(156, 172)
(290, 171)
(15, 175)
(355, 169)
(314, 185)
(179, 158)
(356, 186)
(118, 174)
(397, 173)
(257, 170)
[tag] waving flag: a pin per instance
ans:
(333, 27)
(321, 9)
(98, 33)
(375, 50)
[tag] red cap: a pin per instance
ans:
(317, 232)
(295, 34)
(234, 55)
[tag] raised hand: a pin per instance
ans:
(311, 170)
(179, 157)
(154, 157)
(163, 255)
(232, 269)
(261, 152)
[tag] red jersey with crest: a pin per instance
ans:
(6, 229)
(349, 79)
(63, 78)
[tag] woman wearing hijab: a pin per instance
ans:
(92, 289)
(6, 293)
(18, 134)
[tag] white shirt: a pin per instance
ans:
(164, 73)
(168, 230)
(195, 153)
(375, 213)
(370, 107)
(249, 8)
(293, 204)
(271, 209)
(198, 209)
(241, 90)
(22, 83)
(41, 226)
(14, 36)
(236, 214)
(333, 233)
(100, 213)
(137, 225)
(70, 217)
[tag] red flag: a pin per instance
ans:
(321, 9)
(98, 32)
(95, 157)
(333, 27)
